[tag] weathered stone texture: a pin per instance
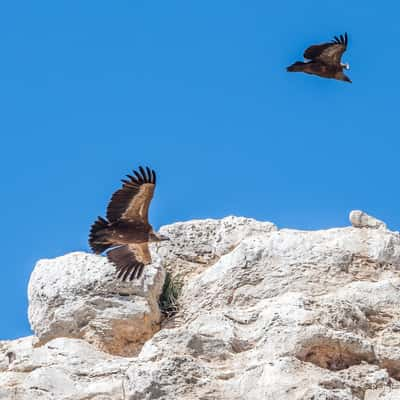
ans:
(264, 314)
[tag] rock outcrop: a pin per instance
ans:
(264, 314)
(77, 296)
(360, 219)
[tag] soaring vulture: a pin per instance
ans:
(126, 232)
(325, 60)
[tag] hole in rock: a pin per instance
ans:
(378, 321)
(239, 346)
(11, 357)
(392, 367)
(333, 355)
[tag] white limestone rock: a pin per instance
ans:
(264, 314)
(78, 296)
(63, 368)
(360, 219)
(284, 315)
(197, 244)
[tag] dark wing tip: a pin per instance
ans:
(130, 272)
(131, 181)
(130, 187)
(139, 271)
(148, 174)
(138, 176)
(136, 271)
(121, 272)
(342, 39)
(145, 175)
(127, 265)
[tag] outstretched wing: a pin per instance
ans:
(328, 53)
(130, 260)
(132, 201)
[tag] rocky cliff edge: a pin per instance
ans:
(263, 314)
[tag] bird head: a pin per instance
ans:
(157, 237)
(346, 66)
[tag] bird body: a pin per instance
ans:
(314, 68)
(121, 232)
(325, 60)
(126, 232)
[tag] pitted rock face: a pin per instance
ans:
(196, 245)
(78, 296)
(360, 219)
(264, 314)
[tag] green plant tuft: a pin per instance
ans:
(168, 302)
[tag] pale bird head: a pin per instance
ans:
(157, 237)
(162, 237)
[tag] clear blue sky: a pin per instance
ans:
(197, 90)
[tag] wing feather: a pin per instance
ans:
(132, 201)
(130, 260)
(138, 176)
(328, 53)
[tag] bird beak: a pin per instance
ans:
(163, 237)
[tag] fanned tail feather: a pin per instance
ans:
(98, 236)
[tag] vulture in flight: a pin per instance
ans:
(126, 231)
(325, 60)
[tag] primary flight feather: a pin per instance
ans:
(325, 60)
(126, 231)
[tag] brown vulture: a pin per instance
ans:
(325, 60)
(126, 232)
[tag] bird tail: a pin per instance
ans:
(98, 237)
(296, 67)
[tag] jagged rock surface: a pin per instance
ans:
(360, 219)
(264, 314)
(77, 296)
